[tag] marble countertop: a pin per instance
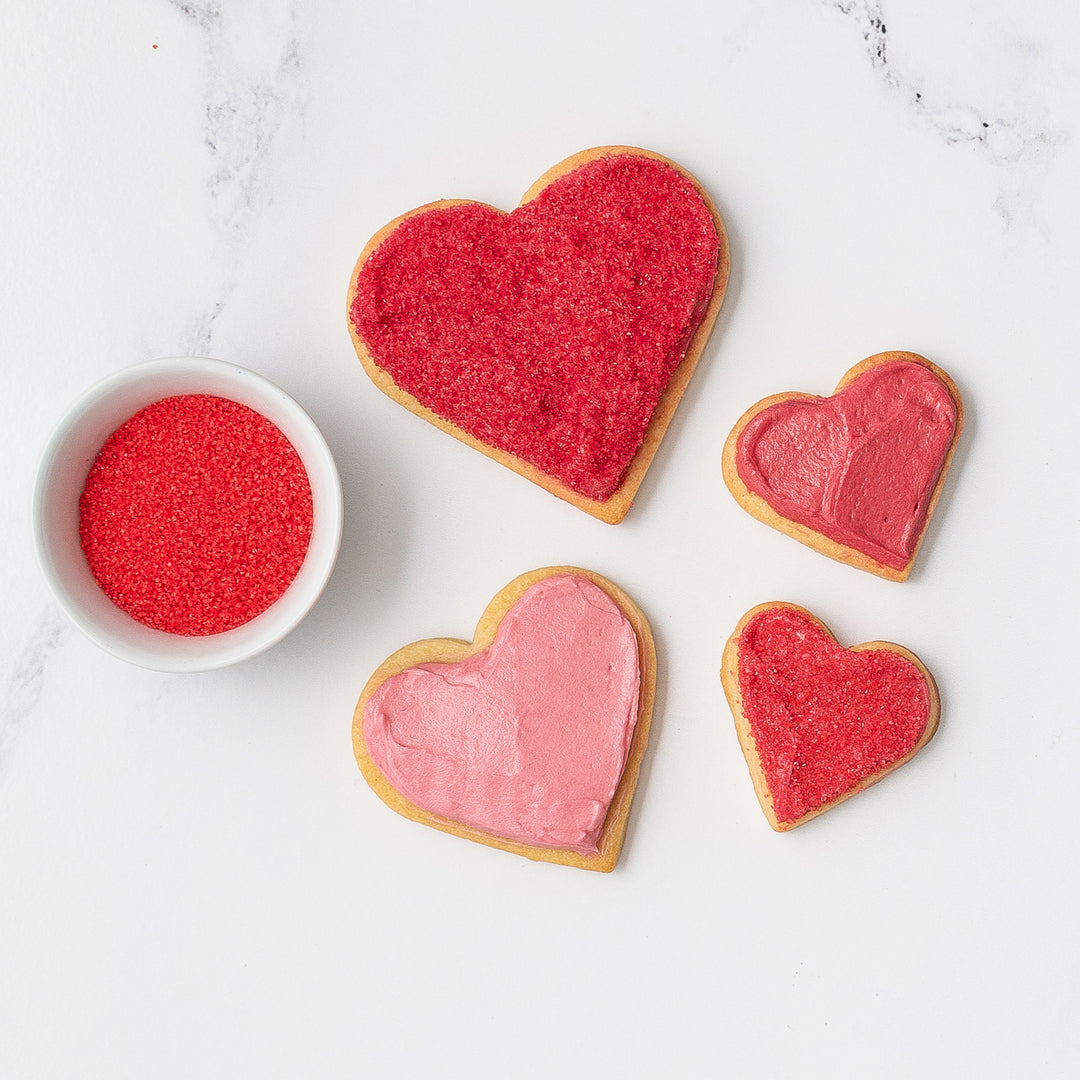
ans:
(196, 881)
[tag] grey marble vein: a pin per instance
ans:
(1004, 140)
(246, 102)
(27, 674)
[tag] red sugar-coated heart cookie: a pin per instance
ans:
(857, 475)
(558, 338)
(530, 737)
(819, 723)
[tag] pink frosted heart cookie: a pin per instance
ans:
(530, 737)
(558, 338)
(856, 475)
(819, 723)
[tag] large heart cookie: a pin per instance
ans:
(857, 475)
(558, 338)
(819, 723)
(530, 737)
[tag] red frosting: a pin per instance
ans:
(550, 332)
(859, 467)
(824, 718)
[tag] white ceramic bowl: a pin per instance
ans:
(62, 473)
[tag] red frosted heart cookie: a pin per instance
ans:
(530, 737)
(855, 476)
(558, 338)
(819, 723)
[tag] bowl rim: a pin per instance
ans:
(65, 461)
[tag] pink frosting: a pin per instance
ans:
(528, 739)
(859, 467)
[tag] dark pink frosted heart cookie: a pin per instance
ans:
(856, 475)
(558, 338)
(818, 722)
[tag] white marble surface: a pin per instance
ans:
(194, 878)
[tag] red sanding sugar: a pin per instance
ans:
(196, 515)
(824, 718)
(550, 332)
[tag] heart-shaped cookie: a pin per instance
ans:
(530, 737)
(558, 338)
(819, 723)
(856, 475)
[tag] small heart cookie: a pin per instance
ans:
(819, 723)
(857, 475)
(558, 338)
(530, 737)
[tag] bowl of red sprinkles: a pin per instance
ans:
(187, 514)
